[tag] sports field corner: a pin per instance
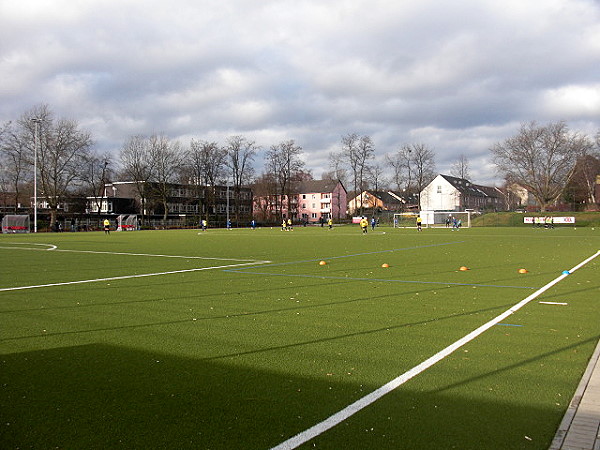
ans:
(243, 339)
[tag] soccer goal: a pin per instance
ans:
(127, 222)
(15, 224)
(449, 219)
(405, 220)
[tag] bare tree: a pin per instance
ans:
(356, 154)
(423, 161)
(138, 166)
(338, 168)
(283, 162)
(97, 172)
(206, 165)
(541, 159)
(375, 176)
(240, 157)
(63, 149)
(414, 167)
(15, 161)
(460, 168)
(401, 167)
(581, 188)
(167, 159)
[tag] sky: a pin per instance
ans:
(457, 76)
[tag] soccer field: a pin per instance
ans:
(242, 339)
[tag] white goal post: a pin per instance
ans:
(15, 224)
(449, 219)
(405, 220)
(433, 219)
(127, 222)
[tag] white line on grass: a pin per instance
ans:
(54, 248)
(50, 246)
(125, 277)
(362, 403)
(158, 256)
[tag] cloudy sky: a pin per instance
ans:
(457, 75)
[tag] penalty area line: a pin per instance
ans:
(342, 415)
(125, 277)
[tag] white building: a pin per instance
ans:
(447, 193)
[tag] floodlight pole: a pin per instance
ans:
(227, 223)
(36, 139)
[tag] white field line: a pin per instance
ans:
(125, 277)
(54, 248)
(50, 246)
(159, 256)
(362, 403)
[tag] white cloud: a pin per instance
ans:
(456, 75)
(571, 102)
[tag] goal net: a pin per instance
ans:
(449, 219)
(127, 222)
(405, 220)
(15, 224)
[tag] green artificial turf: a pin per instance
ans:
(247, 356)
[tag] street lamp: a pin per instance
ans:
(37, 121)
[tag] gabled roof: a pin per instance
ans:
(465, 187)
(323, 186)
(386, 197)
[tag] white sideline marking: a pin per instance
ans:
(56, 249)
(554, 303)
(159, 256)
(362, 403)
(124, 277)
(50, 246)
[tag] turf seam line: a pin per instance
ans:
(382, 280)
(124, 277)
(367, 400)
(363, 254)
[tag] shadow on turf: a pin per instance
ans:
(103, 396)
(593, 341)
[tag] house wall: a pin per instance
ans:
(339, 202)
(306, 206)
(440, 195)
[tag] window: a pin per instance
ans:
(439, 189)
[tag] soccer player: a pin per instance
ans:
(419, 223)
(364, 225)
(106, 226)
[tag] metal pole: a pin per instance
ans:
(36, 140)
(227, 223)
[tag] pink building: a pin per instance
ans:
(315, 201)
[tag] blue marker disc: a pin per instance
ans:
(566, 272)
